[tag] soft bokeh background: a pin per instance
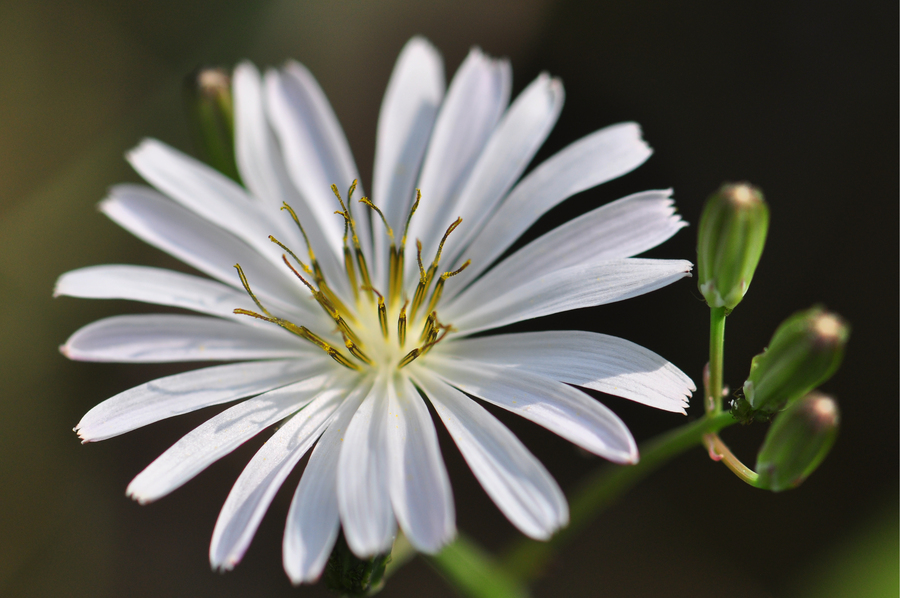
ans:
(798, 97)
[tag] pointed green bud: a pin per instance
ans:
(804, 352)
(797, 442)
(210, 110)
(730, 241)
(350, 575)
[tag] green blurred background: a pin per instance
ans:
(798, 97)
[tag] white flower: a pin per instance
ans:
(334, 370)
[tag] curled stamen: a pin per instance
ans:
(368, 202)
(312, 256)
(439, 285)
(326, 303)
(249, 292)
(304, 333)
(287, 249)
(349, 222)
(382, 312)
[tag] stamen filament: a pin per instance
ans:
(304, 333)
(401, 325)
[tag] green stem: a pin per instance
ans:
(527, 558)
(474, 572)
(716, 359)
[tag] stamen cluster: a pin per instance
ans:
(363, 343)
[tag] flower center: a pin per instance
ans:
(384, 330)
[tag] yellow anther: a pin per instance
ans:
(382, 312)
(401, 325)
(428, 327)
(357, 352)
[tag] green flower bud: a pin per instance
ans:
(797, 442)
(349, 575)
(804, 352)
(732, 234)
(210, 110)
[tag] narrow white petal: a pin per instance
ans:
(183, 393)
(511, 147)
(620, 229)
(407, 115)
(419, 486)
(164, 338)
(263, 170)
(492, 302)
(315, 148)
(477, 97)
(203, 245)
(257, 485)
(218, 436)
(154, 285)
(560, 408)
(605, 363)
(514, 479)
(601, 156)
(363, 498)
(208, 193)
(313, 520)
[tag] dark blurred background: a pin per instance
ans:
(797, 97)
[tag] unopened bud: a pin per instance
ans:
(349, 575)
(804, 352)
(797, 442)
(730, 241)
(210, 109)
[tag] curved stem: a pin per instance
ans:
(527, 559)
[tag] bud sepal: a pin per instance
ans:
(730, 241)
(797, 442)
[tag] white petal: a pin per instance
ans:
(588, 162)
(263, 170)
(257, 485)
(514, 479)
(511, 147)
(217, 437)
(198, 243)
(315, 148)
(183, 393)
(605, 363)
(475, 101)
(620, 229)
(561, 409)
(164, 338)
(313, 520)
(363, 498)
(481, 307)
(407, 115)
(208, 193)
(154, 285)
(419, 486)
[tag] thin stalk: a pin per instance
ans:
(716, 359)
(526, 559)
